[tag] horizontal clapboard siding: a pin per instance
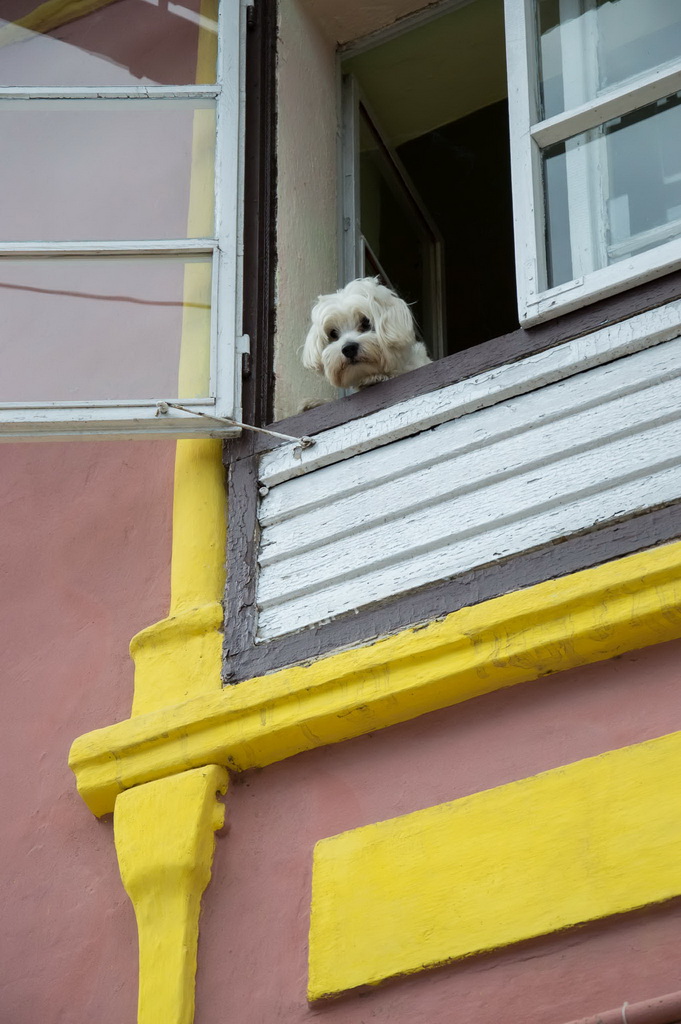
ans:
(475, 393)
(530, 469)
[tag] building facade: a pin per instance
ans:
(399, 739)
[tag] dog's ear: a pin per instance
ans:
(393, 318)
(312, 350)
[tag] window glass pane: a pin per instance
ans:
(399, 241)
(78, 330)
(614, 191)
(587, 46)
(107, 42)
(106, 169)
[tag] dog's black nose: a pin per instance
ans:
(350, 349)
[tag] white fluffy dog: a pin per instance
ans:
(361, 335)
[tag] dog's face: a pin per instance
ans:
(363, 330)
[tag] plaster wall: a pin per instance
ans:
(253, 947)
(307, 259)
(85, 534)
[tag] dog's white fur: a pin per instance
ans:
(362, 334)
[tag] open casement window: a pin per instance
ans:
(595, 115)
(121, 217)
(427, 181)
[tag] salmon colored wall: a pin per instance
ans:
(252, 952)
(85, 532)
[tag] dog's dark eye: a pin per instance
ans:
(333, 334)
(365, 324)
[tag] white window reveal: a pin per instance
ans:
(120, 220)
(595, 117)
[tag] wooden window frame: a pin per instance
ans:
(218, 414)
(529, 138)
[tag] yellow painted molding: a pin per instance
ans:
(177, 657)
(180, 657)
(165, 830)
(165, 838)
(575, 844)
(587, 617)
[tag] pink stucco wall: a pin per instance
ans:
(252, 958)
(84, 564)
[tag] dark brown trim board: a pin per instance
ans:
(507, 349)
(244, 659)
(260, 211)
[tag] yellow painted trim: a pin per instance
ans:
(165, 838)
(164, 830)
(587, 617)
(181, 656)
(574, 844)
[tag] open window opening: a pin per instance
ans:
(427, 151)
(578, 200)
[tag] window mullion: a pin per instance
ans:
(144, 247)
(229, 175)
(132, 92)
(615, 103)
(526, 174)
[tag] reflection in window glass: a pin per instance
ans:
(119, 42)
(640, 155)
(89, 330)
(104, 169)
(399, 242)
(587, 46)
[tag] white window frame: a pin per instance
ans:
(156, 417)
(530, 136)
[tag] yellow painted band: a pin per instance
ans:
(181, 656)
(164, 830)
(586, 617)
(574, 844)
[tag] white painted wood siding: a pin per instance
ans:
(478, 392)
(529, 469)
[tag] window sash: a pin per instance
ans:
(155, 417)
(529, 137)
